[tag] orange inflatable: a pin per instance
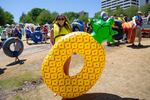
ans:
(129, 29)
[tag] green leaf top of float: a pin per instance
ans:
(102, 30)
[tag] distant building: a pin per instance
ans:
(143, 2)
(112, 4)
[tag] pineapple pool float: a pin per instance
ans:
(84, 44)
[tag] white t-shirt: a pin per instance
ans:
(3, 35)
(18, 46)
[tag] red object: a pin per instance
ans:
(45, 29)
(145, 30)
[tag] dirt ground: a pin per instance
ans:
(126, 75)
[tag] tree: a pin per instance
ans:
(28, 19)
(145, 9)
(109, 12)
(71, 15)
(38, 16)
(9, 18)
(131, 11)
(97, 14)
(5, 17)
(53, 15)
(44, 17)
(34, 13)
(119, 11)
(83, 16)
(22, 18)
(2, 17)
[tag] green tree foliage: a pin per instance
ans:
(34, 13)
(5, 17)
(83, 16)
(109, 12)
(145, 9)
(44, 17)
(9, 18)
(22, 18)
(97, 14)
(2, 17)
(53, 15)
(71, 15)
(131, 11)
(119, 11)
(28, 19)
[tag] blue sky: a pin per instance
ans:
(16, 7)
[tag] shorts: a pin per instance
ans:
(27, 36)
(138, 31)
(44, 33)
(15, 53)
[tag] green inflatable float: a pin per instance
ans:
(102, 30)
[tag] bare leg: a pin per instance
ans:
(66, 66)
(45, 38)
(27, 40)
(16, 59)
(139, 35)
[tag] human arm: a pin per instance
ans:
(52, 41)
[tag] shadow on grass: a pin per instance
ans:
(102, 96)
(2, 70)
(17, 62)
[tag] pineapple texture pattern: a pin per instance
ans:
(94, 60)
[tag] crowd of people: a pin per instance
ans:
(131, 29)
(61, 27)
(19, 30)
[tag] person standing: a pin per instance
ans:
(17, 32)
(45, 32)
(3, 36)
(9, 30)
(138, 25)
(18, 35)
(61, 27)
(121, 18)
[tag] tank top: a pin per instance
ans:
(58, 33)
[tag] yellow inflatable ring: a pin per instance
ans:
(73, 86)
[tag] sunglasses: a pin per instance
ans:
(61, 19)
